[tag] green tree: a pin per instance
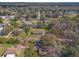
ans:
(6, 30)
(11, 41)
(14, 22)
(30, 52)
(1, 20)
(27, 30)
(3, 40)
(69, 51)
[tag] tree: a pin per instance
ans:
(6, 30)
(69, 52)
(3, 40)
(11, 41)
(65, 31)
(1, 20)
(30, 52)
(15, 23)
(27, 30)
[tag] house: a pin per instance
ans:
(23, 17)
(20, 46)
(11, 52)
(38, 31)
(7, 17)
(14, 51)
(27, 24)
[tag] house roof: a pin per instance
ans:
(12, 50)
(38, 31)
(7, 17)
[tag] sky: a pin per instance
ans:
(39, 0)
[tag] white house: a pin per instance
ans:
(7, 17)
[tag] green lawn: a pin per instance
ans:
(4, 47)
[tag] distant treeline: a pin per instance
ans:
(22, 4)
